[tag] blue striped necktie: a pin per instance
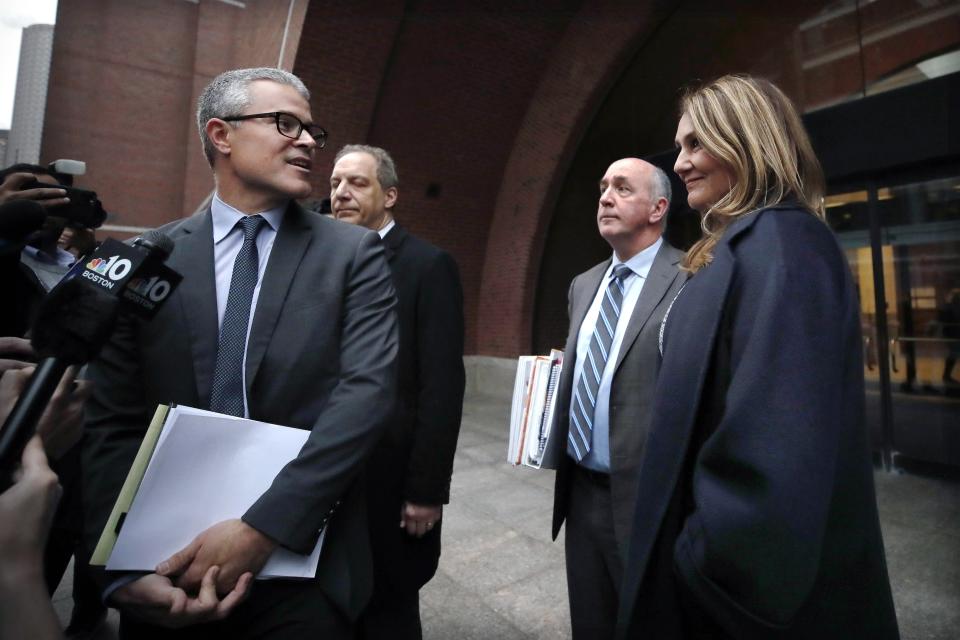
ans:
(580, 434)
(226, 395)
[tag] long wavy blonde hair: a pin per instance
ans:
(753, 128)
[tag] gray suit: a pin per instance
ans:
(321, 355)
(631, 396)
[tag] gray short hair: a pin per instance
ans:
(660, 185)
(228, 95)
(386, 169)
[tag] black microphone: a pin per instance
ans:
(18, 219)
(77, 318)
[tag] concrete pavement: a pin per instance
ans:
(501, 576)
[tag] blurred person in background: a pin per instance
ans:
(26, 511)
(29, 275)
(408, 475)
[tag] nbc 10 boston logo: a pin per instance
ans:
(153, 289)
(126, 272)
(107, 272)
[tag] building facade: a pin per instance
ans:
(501, 117)
(30, 100)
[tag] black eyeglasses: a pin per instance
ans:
(289, 126)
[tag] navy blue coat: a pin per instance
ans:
(756, 515)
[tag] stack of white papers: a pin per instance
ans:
(206, 468)
(532, 415)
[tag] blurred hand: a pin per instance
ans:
(154, 599)
(26, 510)
(419, 519)
(79, 242)
(50, 196)
(61, 424)
(15, 353)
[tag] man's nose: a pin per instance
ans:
(306, 140)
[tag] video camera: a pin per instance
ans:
(84, 208)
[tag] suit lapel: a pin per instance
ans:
(659, 278)
(291, 242)
(581, 297)
(392, 242)
(665, 452)
(198, 296)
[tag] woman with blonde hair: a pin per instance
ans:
(756, 515)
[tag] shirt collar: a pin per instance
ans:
(640, 264)
(384, 230)
(225, 217)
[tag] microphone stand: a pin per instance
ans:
(20, 425)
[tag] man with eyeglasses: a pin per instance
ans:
(283, 316)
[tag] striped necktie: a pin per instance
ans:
(580, 434)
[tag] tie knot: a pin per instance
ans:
(621, 271)
(252, 226)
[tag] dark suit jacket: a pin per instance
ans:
(321, 356)
(756, 515)
(414, 460)
(631, 390)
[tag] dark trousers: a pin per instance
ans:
(393, 615)
(594, 565)
(275, 610)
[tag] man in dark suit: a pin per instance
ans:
(607, 385)
(409, 472)
(283, 316)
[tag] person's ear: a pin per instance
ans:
(218, 132)
(659, 211)
(390, 197)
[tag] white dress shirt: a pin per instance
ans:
(598, 457)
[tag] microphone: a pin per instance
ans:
(18, 219)
(77, 318)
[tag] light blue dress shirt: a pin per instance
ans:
(598, 458)
(227, 241)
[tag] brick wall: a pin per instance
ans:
(124, 80)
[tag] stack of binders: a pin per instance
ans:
(532, 416)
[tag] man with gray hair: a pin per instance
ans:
(606, 387)
(408, 475)
(283, 316)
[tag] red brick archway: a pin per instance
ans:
(596, 46)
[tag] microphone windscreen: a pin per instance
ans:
(156, 242)
(18, 218)
(73, 322)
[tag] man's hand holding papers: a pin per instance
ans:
(232, 545)
(155, 600)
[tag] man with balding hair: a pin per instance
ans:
(607, 384)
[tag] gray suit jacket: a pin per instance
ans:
(631, 391)
(321, 356)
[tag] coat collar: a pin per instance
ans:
(198, 295)
(291, 243)
(392, 241)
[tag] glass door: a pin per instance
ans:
(902, 241)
